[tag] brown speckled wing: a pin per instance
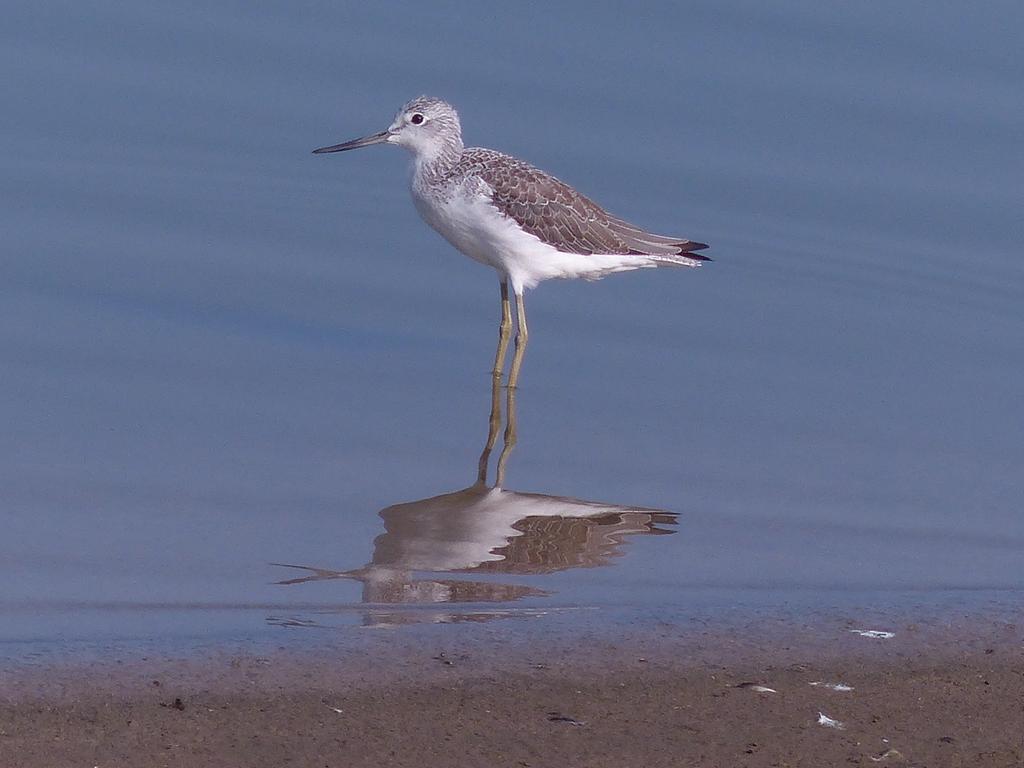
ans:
(559, 215)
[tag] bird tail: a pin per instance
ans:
(686, 256)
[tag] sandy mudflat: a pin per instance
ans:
(950, 697)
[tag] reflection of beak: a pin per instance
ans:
(377, 138)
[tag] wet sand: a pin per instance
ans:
(939, 696)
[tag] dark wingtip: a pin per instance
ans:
(690, 247)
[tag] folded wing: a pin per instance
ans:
(562, 217)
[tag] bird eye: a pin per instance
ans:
(416, 119)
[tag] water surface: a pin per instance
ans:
(221, 352)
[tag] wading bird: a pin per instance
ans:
(503, 212)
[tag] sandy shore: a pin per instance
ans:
(934, 698)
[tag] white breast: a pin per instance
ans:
(467, 221)
(466, 218)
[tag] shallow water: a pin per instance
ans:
(221, 352)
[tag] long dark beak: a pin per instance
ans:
(377, 138)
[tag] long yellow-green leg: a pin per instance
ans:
(511, 433)
(492, 429)
(504, 331)
(494, 424)
(510, 437)
(522, 336)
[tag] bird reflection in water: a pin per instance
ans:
(482, 530)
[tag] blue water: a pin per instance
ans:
(220, 352)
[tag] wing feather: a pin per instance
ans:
(559, 215)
